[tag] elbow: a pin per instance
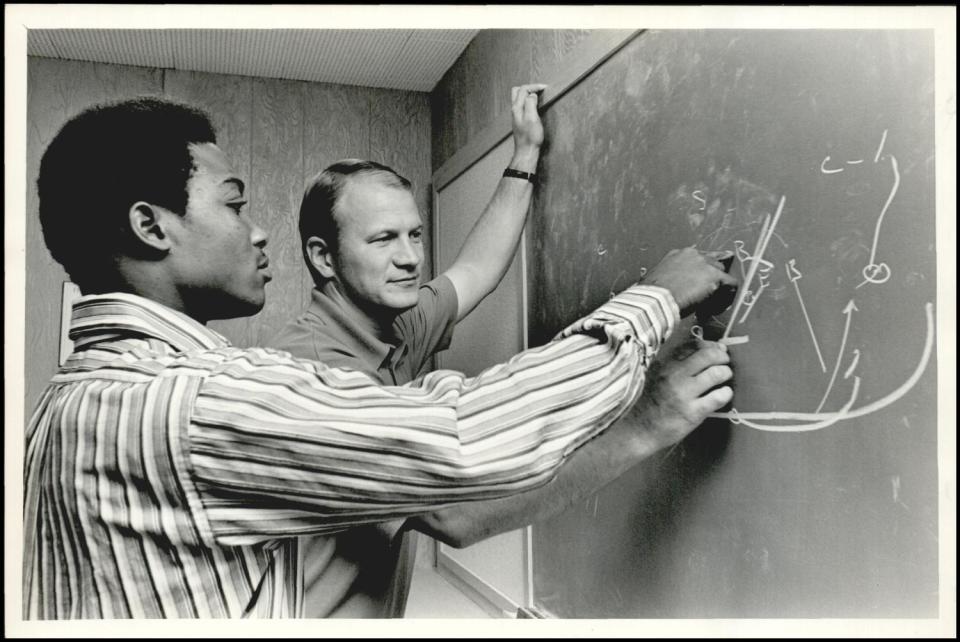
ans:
(464, 537)
(449, 527)
(456, 540)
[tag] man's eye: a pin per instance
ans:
(418, 234)
(236, 206)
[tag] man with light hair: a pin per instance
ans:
(362, 239)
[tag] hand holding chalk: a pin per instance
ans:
(693, 381)
(725, 293)
(693, 277)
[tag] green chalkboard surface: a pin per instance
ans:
(809, 153)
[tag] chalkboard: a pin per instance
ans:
(811, 155)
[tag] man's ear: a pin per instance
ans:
(147, 226)
(320, 256)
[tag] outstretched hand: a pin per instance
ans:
(682, 390)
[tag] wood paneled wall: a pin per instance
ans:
(477, 86)
(56, 91)
(277, 133)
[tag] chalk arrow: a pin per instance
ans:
(848, 311)
(791, 265)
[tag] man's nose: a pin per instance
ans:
(258, 236)
(408, 254)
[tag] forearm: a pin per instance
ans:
(589, 469)
(328, 450)
(490, 246)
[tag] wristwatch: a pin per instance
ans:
(516, 173)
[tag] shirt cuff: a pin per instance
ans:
(673, 316)
(647, 312)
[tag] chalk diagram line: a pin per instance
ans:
(820, 420)
(874, 272)
(757, 256)
(795, 275)
(848, 312)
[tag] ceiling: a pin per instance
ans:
(410, 59)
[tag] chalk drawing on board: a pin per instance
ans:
(754, 266)
(848, 313)
(880, 272)
(740, 520)
(795, 275)
(823, 419)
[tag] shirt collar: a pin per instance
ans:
(342, 327)
(119, 315)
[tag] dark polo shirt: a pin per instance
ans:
(326, 332)
(366, 572)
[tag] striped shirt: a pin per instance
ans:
(169, 474)
(367, 572)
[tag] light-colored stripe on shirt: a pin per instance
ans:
(167, 473)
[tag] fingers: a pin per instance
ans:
(529, 88)
(717, 259)
(712, 377)
(525, 97)
(726, 261)
(707, 368)
(722, 261)
(530, 106)
(530, 112)
(516, 105)
(720, 255)
(713, 401)
(709, 354)
(728, 279)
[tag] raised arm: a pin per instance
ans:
(488, 250)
